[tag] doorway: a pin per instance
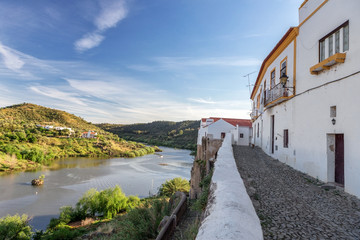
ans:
(335, 156)
(272, 133)
(339, 158)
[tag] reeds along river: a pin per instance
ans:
(69, 179)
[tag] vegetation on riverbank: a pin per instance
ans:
(163, 133)
(107, 214)
(27, 142)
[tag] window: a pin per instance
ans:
(336, 41)
(331, 45)
(264, 94)
(346, 37)
(272, 77)
(333, 111)
(283, 67)
(222, 135)
(258, 130)
(258, 101)
(322, 51)
(286, 138)
(241, 135)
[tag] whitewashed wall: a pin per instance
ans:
(307, 116)
(218, 127)
(246, 131)
(230, 215)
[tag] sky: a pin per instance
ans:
(133, 61)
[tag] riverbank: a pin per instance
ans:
(69, 178)
(30, 156)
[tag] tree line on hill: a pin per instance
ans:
(164, 133)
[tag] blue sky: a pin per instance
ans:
(130, 61)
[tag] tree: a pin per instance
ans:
(15, 227)
(174, 185)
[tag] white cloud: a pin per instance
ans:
(176, 63)
(201, 100)
(88, 41)
(11, 60)
(57, 94)
(111, 13)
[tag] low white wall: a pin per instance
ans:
(230, 213)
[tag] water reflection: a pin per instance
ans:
(78, 163)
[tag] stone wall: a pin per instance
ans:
(204, 160)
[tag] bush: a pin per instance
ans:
(174, 185)
(108, 202)
(15, 227)
(132, 202)
(89, 203)
(62, 232)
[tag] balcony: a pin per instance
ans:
(254, 114)
(276, 95)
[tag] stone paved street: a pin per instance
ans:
(292, 205)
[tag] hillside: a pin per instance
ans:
(32, 135)
(165, 133)
(30, 114)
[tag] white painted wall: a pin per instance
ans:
(231, 214)
(218, 127)
(202, 132)
(307, 115)
(308, 8)
(246, 131)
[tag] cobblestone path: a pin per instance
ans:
(292, 205)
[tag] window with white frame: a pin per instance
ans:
(335, 42)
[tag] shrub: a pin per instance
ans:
(15, 227)
(132, 202)
(108, 202)
(89, 202)
(62, 232)
(112, 201)
(201, 202)
(172, 186)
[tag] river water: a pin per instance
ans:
(68, 179)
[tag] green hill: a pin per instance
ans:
(165, 133)
(32, 135)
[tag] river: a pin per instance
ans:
(67, 180)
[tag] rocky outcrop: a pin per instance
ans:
(37, 182)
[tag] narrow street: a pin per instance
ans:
(292, 205)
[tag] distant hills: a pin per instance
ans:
(33, 135)
(164, 133)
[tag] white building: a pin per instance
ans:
(89, 134)
(309, 121)
(217, 128)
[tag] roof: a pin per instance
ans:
(305, 1)
(232, 121)
(280, 46)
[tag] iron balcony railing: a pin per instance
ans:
(278, 91)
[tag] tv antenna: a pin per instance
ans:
(248, 77)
